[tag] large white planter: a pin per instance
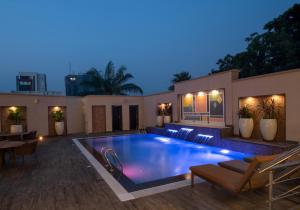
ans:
(167, 119)
(268, 128)
(246, 127)
(59, 128)
(159, 120)
(16, 128)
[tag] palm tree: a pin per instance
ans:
(179, 77)
(111, 82)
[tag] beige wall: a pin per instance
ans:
(221, 80)
(108, 102)
(287, 83)
(79, 109)
(37, 110)
(150, 105)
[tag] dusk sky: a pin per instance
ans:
(153, 39)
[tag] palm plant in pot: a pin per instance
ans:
(58, 117)
(268, 124)
(15, 115)
(167, 113)
(245, 122)
(159, 116)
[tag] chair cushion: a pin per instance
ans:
(221, 176)
(235, 165)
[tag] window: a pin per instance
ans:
(206, 107)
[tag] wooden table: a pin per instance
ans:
(7, 135)
(9, 145)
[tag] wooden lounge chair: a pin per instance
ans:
(241, 166)
(27, 149)
(232, 180)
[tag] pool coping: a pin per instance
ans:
(118, 189)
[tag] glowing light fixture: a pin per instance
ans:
(201, 93)
(214, 92)
(162, 106)
(275, 97)
(188, 95)
(41, 138)
(163, 139)
(56, 108)
(13, 108)
(186, 129)
(206, 136)
(172, 130)
(224, 151)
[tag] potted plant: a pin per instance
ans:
(268, 123)
(159, 117)
(15, 115)
(58, 117)
(167, 113)
(245, 122)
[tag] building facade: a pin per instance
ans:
(31, 82)
(74, 87)
(208, 101)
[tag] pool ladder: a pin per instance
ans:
(109, 152)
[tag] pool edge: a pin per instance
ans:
(118, 189)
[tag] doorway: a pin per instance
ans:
(134, 117)
(99, 119)
(116, 118)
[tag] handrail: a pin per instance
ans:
(105, 151)
(280, 171)
(281, 158)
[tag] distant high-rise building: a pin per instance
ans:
(74, 87)
(31, 81)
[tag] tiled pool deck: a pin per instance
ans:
(64, 179)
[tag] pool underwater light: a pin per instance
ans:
(224, 151)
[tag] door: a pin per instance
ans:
(117, 118)
(134, 117)
(99, 119)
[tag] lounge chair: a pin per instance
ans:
(232, 180)
(29, 148)
(29, 136)
(241, 166)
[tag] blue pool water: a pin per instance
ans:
(150, 157)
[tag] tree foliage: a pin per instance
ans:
(276, 49)
(111, 82)
(179, 77)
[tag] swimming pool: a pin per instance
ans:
(149, 159)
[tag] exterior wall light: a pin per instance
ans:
(276, 98)
(13, 108)
(56, 108)
(201, 93)
(214, 92)
(41, 138)
(188, 95)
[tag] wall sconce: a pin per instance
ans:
(36, 101)
(40, 138)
